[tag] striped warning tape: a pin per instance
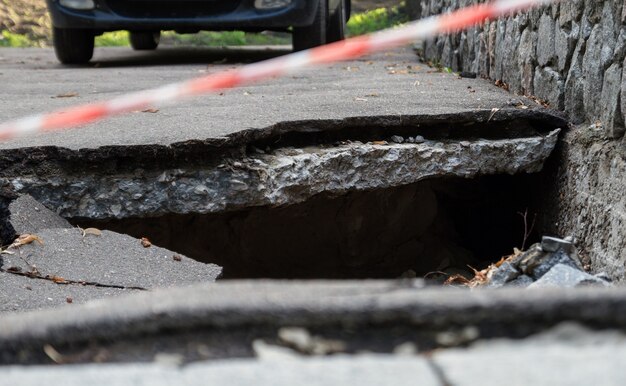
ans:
(343, 50)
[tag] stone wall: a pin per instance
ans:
(570, 55)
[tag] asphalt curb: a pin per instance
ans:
(231, 306)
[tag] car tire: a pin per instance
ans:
(315, 34)
(73, 46)
(337, 23)
(145, 40)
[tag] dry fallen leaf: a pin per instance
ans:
(26, 239)
(145, 242)
(379, 143)
(58, 279)
(456, 279)
(152, 110)
(92, 231)
(67, 95)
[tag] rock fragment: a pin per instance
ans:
(551, 263)
(562, 275)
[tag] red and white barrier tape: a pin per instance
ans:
(343, 50)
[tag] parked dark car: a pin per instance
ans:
(77, 22)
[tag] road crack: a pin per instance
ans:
(437, 370)
(34, 274)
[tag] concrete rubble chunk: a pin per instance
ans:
(553, 244)
(504, 274)
(537, 269)
(553, 262)
(521, 281)
(562, 275)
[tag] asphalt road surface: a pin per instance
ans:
(390, 84)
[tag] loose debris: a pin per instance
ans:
(551, 263)
(301, 341)
(91, 231)
(25, 239)
(67, 95)
(145, 242)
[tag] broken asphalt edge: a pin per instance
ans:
(69, 181)
(322, 304)
(23, 160)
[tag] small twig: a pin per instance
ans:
(527, 230)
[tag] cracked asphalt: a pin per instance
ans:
(238, 323)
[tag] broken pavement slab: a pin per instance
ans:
(109, 259)
(358, 93)
(46, 267)
(199, 157)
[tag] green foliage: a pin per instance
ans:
(375, 20)
(226, 38)
(113, 39)
(203, 38)
(10, 39)
(359, 24)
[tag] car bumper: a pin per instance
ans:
(165, 15)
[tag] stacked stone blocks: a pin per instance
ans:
(570, 54)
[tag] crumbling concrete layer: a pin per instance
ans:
(285, 176)
(245, 308)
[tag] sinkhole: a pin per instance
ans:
(424, 229)
(357, 198)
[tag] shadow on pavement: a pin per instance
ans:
(186, 55)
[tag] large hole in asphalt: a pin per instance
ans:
(435, 225)
(344, 200)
